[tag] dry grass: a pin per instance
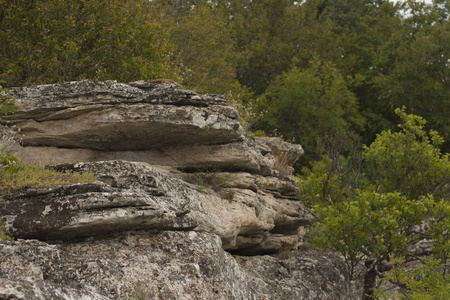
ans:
(282, 163)
(212, 180)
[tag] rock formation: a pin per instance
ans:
(185, 206)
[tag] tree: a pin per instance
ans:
(426, 282)
(54, 40)
(414, 67)
(305, 105)
(269, 34)
(367, 221)
(203, 44)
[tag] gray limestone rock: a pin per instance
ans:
(136, 196)
(163, 265)
(156, 122)
(115, 116)
(180, 189)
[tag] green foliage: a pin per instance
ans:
(371, 221)
(5, 106)
(248, 111)
(203, 45)
(6, 161)
(371, 224)
(3, 235)
(303, 105)
(384, 57)
(426, 282)
(269, 34)
(410, 161)
(9, 162)
(363, 26)
(53, 40)
(414, 67)
(263, 54)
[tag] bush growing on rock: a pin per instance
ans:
(15, 176)
(5, 108)
(425, 282)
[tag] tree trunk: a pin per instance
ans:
(370, 283)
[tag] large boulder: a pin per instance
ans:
(115, 116)
(157, 123)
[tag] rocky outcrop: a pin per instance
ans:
(185, 206)
(155, 123)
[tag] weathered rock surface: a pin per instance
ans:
(180, 189)
(155, 123)
(115, 116)
(131, 195)
(163, 265)
(302, 274)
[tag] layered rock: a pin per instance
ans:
(135, 196)
(114, 116)
(158, 123)
(180, 189)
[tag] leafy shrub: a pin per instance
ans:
(5, 106)
(426, 282)
(6, 161)
(9, 162)
(369, 221)
(54, 41)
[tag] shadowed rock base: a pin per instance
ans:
(163, 265)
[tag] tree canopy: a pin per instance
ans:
(53, 40)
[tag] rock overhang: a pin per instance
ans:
(120, 117)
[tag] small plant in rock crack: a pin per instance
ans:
(282, 164)
(228, 195)
(137, 294)
(215, 181)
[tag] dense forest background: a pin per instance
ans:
(298, 69)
